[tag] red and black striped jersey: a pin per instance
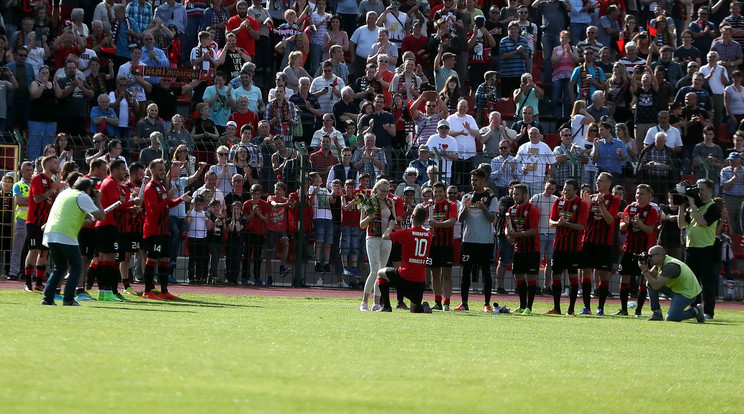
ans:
(133, 222)
(597, 231)
(636, 240)
(573, 211)
(443, 211)
(39, 212)
(111, 192)
(157, 205)
(524, 217)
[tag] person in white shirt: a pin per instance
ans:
(447, 147)
(537, 161)
(465, 130)
(327, 88)
(717, 78)
(674, 138)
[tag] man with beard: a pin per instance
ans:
(245, 28)
(113, 196)
(130, 227)
(568, 216)
(522, 221)
(157, 202)
(442, 219)
(42, 191)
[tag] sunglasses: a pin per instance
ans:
(327, 120)
(443, 127)
(222, 154)
(503, 147)
(431, 105)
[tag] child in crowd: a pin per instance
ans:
(256, 213)
(335, 200)
(322, 224)
(276, 227)
(198, 224)
(233, 245)
(215, 239)
(351, 234)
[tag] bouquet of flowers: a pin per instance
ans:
(366, 201)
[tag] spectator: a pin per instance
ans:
(717, 78)
(309, 108)
(486, 96)
(504, 169)
(537, 160)
(673, 69)
(581, 17)
(426, 124)
(336, 36)
(103, 118)
(703, 31)
(204, 58)
(381, 123)
(140, 13)
(590, 42)
(135, 81)
(522, 127)
(361, 42)
(693, 121)
(450, 94)
(492, 135)
(177, 135)
(608, 26)
(327, 88)
(620, 97)
(631, 59)
(323, 159)
(370, 159)
(220, 101)
(147, 125)
(707, 159)
(346, 109)
(687, 53)
(72, 94)
(20, 199)
(384, 47)
(704, 100)
(246, 30)
(171, 12)
(733, 100)
(224, 171)
(729, 50)
(465, 131)
(18, 100)
(448, 148)
(153, 151)
(122, 34)
(432, 173)
(344, 170)
(293, 36)
(199, 224)
(284, 162)
(646, 103)
(335, 136)
(204, 131)
(210, 186)
(673, 138)
(243, 116)
(597, 109)
(215, 17)
(444, 64)
(322, 224)
(422, 163)
(165, 94)
(570, 159)
(408, 183)
(657, 166)
(732, 183)
(282, 116)
(586, 78)
(280, 80)
(407, 83)
(153, 56)
(527, 95)
(98, 81)
(563, 60)
(609, 152)
(255, 99)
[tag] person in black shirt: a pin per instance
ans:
(166, 96)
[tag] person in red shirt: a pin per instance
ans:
(131, 226)
(42, 191)
(97, 171)
(410, 278)
(639, 221)
(158, 202)
(256, 214)
(276, 227)
(596, 251)
(568, 216)
(442, 220)
(245, 28)
(113, 196)
(522, 221)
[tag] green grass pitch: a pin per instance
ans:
(221, 354)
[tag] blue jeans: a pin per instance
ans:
(39, 135)
(177, 228)
(677, 311)
(578, 32)
(323, 230)
(559, 91)
(64, 256)
(18, 109)
(549, 42)
(313, 60)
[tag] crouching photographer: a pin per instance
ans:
(673, 278)
(700, 218)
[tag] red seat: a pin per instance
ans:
(506, 109)
(553, 140)
(723, 134)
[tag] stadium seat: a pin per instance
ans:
(553, 140)
(506, 109)
(723, 134)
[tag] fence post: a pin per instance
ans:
(438, 155)
(298, 278)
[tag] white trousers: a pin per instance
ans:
(378, 252)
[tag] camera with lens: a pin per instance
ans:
(642, 257)
(684, 189)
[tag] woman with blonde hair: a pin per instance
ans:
(224, 170)
(620, 97)
(378, 249)
(580, 118)
(295, 71)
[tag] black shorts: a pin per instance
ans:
(477, 253)
(526, 263)
(107, 238)
(396, 253)
(131, 242)
(441, 256)
(629, 265)
(87, 242)
(414, 291)
(34, 237)
(156, 247)
(565, 261)
(596, 256)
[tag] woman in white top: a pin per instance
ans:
(320, 20)
(378, 250)
(224, 170)
(580, 118)
(733, 99)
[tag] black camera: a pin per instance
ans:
(642, 257)
(427, 87)
(684, 189)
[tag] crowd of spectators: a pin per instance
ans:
(413, 91)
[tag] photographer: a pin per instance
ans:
(675, 279)
(701, 219)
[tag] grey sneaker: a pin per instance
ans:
(656, 316)
(699, 314)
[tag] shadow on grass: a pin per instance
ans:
(139, 309)
(191, 302)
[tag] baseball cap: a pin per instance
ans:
(409, 188)
(442, 123)
(423, 148)
(734, 156)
